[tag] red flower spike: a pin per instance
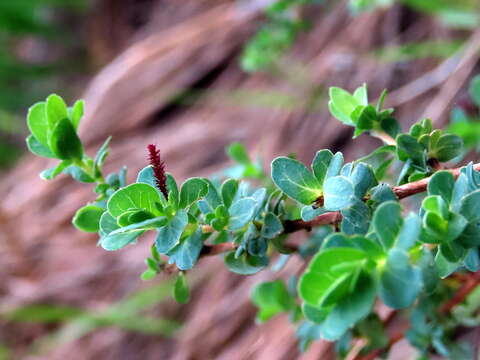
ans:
(158, 169)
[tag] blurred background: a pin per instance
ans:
(193, 76)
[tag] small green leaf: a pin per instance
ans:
(238, 153)
(211, 201)
(192, 190)
(56, 110)
(169, 235)
(409, 147)
(77, 113)
(228, 191)
(134, 196)
(173, 193)
(245, 264)
(87, 218)
(241, 213)
(323, 283)
(271, 298)
(181, 292)
(350, 309)
(64, 141)
(338, 193)
(342, 104)
(37, 123)
(320, 164)
(400, 282)
(448, 147)
(38, 149)
(294, 179)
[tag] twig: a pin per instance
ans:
(329, 218)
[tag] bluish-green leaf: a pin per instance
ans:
(442, 183)
(338, 193)
(272, 226)
(245, 264)
(169, 235)
(134, 196)
(118, 241)
(400, 282)
(78, 174)
(241, 213)
(335, 165)
(53, 172)
(356, 218)
(295, 180)
(38, 149)
(362, 178)
(387, 221)
(186, 253)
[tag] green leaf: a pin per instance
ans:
(37, 123)
(38, 149)
(409, 233)
(192, 190)
(400, 282)
(387, 221)
(173, 193)
(350, 309)
(362, 178)
(181, 292)
(56, 110)
(338, 193)
(324, 283)
(87, 218)
(186, 253)
(245, 264)
(370, 246)
(444, 266)
(64, 141)
(442, 183)
(237, 152)
(107, 224)
(320, 164)
(134, 196)
(294, 179)
(342, 104)
(53, 172)
(470, 210)
(272, 226)
(437, 205)
(271, 298)
(367, 120)
(448, 147)
(169, 235)
(361, 95)
(228, 190)
(77, 113)
(409, 147)
(241, 213)
(148, 224)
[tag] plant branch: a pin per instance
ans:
(329, 218)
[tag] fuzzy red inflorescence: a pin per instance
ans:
(158, 169)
